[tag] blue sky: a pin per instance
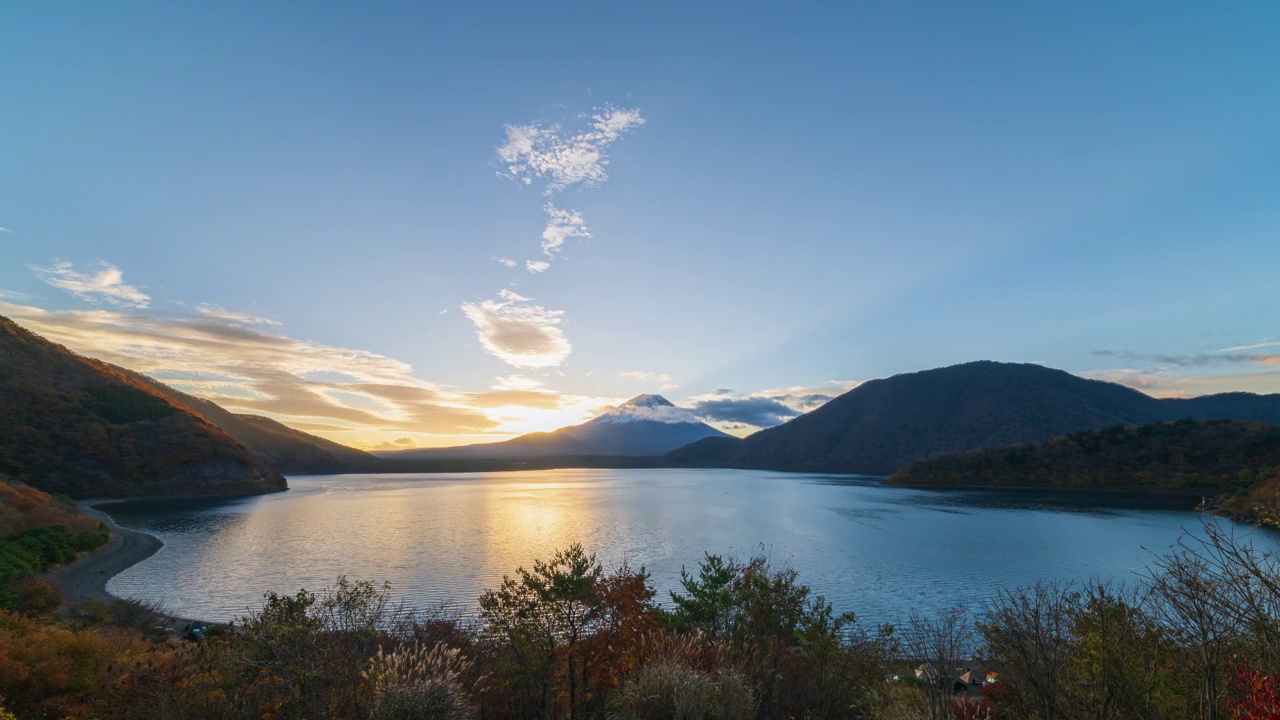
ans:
(801, 196)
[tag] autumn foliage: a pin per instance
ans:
(77, 426)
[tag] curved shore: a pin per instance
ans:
(86, 579)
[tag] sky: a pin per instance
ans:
(429, 224)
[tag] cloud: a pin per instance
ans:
(518, 332)
(517, 382)
(106, 284)
(352, 396)
(766, 408)
(562, 225)
(247, 369)
(234, 318)
(661, 380)
(757, 411)
(505, 261)
(1163, 383)
(403, 443)
(533, 152)
(562, 160)
(1198, 360)
(1255, 346)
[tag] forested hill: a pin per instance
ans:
(883, 425)
(73, 425)
(1209, 457)
(277, 446)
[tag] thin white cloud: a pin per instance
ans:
(1159, 382)
(661, 380)
(505, 261)
(1255, 346)
(517, 382)
(562, 160)
(235, 318)
(106, 284)
(518, 332)
(561, 225)
(533, 152)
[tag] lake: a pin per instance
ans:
(875, 550)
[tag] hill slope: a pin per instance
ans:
(1209, 456)
(646, 425)
(883, 425)
(73, 425)
(275, 445)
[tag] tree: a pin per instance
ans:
(707, 601)
(1027, 634)
(1189, 601)
(1120, 651)
(939, 644)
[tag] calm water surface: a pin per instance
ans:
(875, 550)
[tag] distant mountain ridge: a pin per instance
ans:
(646, 425)
(73, 425)
(276, 445)
(883, 425)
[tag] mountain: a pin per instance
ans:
(883, 425)
(646, 425)
(275, 445)
(73, 425)
(1206, 456)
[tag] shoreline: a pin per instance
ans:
(85, 579)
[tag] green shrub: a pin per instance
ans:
(38, 550)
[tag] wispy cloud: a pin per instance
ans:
(1255, 346)
(1165, 383)
(353, 393)
(660, 380)
(1198, 360)
(103, 284)
(518, 332)
(235, 318)
(560, 160)
(508, 262)
(533, 152)
(561, 225)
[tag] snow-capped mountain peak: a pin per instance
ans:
(648, 401)
(652, 408)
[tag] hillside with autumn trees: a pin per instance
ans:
(1213, 457)
(274, 444)
(73, 425)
